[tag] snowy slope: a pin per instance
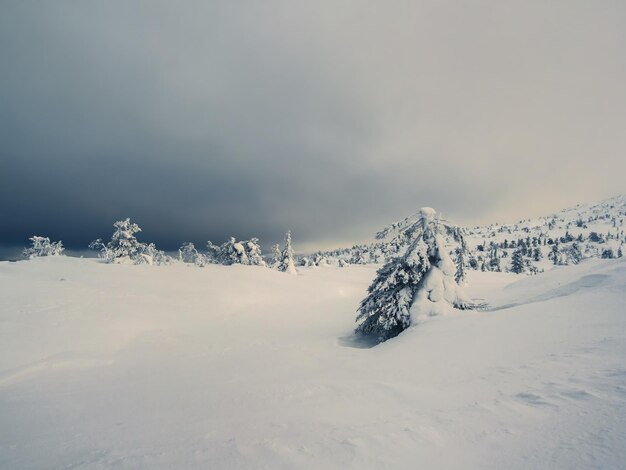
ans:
(605, 219)
(596, 229)
(244, 367)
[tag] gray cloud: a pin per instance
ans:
(205, 119)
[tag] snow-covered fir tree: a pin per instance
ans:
(212, 255)
(494, 260)
(42, 246)
(359, 256)
(276, 255)
(573, 254)
(187, 253)
(286, 263)
(555, 254)
(320, 260)
(419, 282)
(607, 253)
(253, 252)
(517, 262)
(123, 243)
(462, 254)
(124, 247)
(233, 252)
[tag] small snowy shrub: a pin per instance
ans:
(149, 254)
(608, 253)
(42, 246)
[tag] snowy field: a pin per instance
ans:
(244, 367)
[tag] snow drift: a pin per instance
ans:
(105, 365)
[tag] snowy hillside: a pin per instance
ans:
(566, 237)
(108, 365)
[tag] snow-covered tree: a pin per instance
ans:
(494, 260)
(517, 262)
(555, 254)
(123, 242)
(149, 254)
(359, 256)
(42, 246)
(320, 260)
(276, 255)
(124, 247)
(573, 254)
(285, 263)
(187, 253)
(420, 282)
(213, 253)
(608, 253)
(233, 252)
(253, 252)
(462, 254)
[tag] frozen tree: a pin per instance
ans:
(320, 260)
(100, 246)
(494, 260)
(187, 253)
(420, 282)
(233, 252)
(385, 311)
(42, 246)
(253, 252)
(359, 256)
(123, 242)
(213, 253)
(343, 263)
(276, 254)
(149, 254)
(555, 254)
(285, 262)
(462, 254)
(573, 253)
(124, 247)
(607, 253)
(517, 262)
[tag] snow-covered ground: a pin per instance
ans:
(245, 367)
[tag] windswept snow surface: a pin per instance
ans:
(244, 367)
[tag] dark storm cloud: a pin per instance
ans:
(206, 119)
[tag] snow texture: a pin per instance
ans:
(113, 365)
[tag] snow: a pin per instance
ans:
(107, 365)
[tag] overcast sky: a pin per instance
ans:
(206, 119)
